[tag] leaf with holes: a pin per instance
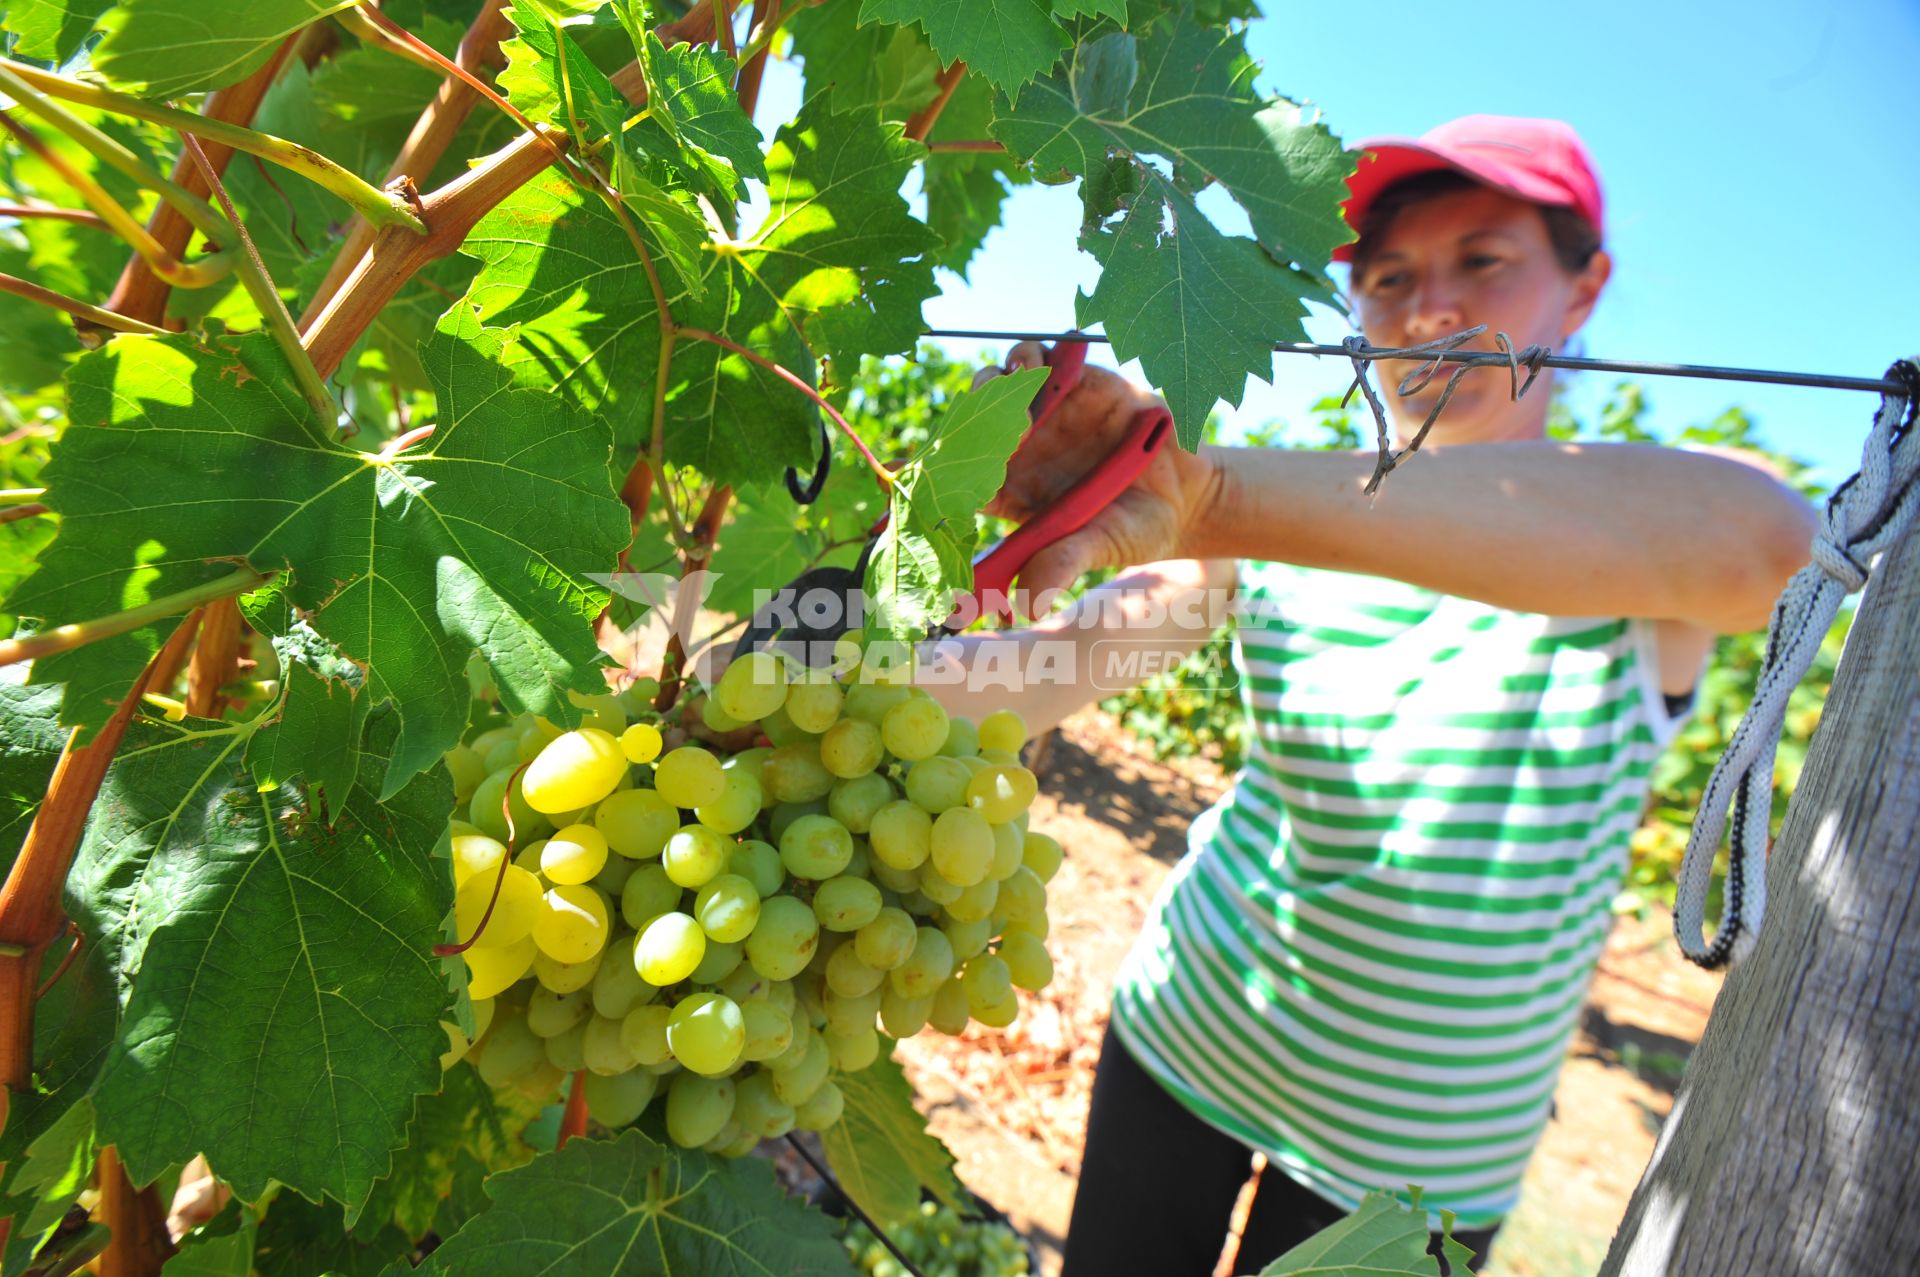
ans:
(482, 538)
(881, 1151)
(163, 48)
(281, 1000)
(634, 1206)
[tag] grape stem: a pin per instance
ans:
(86, 312)
(873, 463)
(923, 120)
(573, 1121)
(500, 877)
(64, 638)
(380, 207)
(33, 208)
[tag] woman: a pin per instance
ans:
(1370, 962)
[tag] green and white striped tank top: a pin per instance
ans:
(1372, 957)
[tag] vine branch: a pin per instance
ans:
(64, 638)
(923, 120)
(33, 208)
(86, 311)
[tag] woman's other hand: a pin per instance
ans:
(1147, 522)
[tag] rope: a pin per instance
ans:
(1864, 516)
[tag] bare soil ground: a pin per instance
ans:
(1013, 1105)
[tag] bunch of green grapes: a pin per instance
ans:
(941, 1244)
(729, 932)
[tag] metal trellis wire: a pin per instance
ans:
(819, 1168)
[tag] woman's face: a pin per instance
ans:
(1455, 260)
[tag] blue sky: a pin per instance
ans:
(1759, 159)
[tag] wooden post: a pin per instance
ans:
(1795, 1140)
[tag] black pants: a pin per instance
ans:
(1157, 1187)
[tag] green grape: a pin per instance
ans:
(869, 702)
(1008, 851)
(796, 1083)
(636, 822)
(698, 1108)
(813, 702)
(689, 777)
(963, 738)
(568, 1051)
(550, 1014)
(491, 971)
(1027, 960)
(573, 855)
(853, 802)
(999, 757)
(737, 806)
(1001, 793)
(902, 1017)
(987, 980)
(930, 963)
(648, 894)
(509, 1049)
(759, 1110)
(1003, 729)
(715, 716)
(961, 846)
(640, 695)
(769, 1029)
(847, 1014)
(815, 847)
(604, 711)
(565, 977)
(696, 855)
(809, 988)
(759, 863)
(484, 810)
(1037, 928)
(602, 1048)
(720, 961)
(727, 908)
(885, 942)
(821, 1109)
(575, 769)
(950, 1008)
(742, 1143)
(1042, 854)
(643, 1032)
(975, 903)
(514, 912)
(846, 903)
(915, 728)
(486, 740)
(967, 938)
(784, 814)
(851, 747)
(998, 1015)
(669, 949)
(797, 1046)
(466, 769)
(706, 1032)
(901, 834)
(753, 686)
(918, 903)
(1023, 897)
(614, 1101)
(504, 754)
(938, 783)
(795, 773)
(899, 881)
(779, 992)
(475, 854)
(541, 1082)
(849, 975)
(744, 984)
(853, 1050)
(528, 858)
(617, 986)
(936, 888)
(613, 875)
(780, 729)
(860, 864)
(784, 939)
(641, 743)
(573, 925)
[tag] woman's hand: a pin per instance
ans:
(1147, 522)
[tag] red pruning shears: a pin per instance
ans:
(784, 618)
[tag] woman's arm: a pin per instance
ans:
(1111, 638)
(1571, 529)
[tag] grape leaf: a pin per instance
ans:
(881, 1151)
(463, 1119)
(1185, 92)
(540, 80)
(163, 48)
(925, 553)
(482, 539)
(51, 30)
(634, 1206)
(1198, 309)
(315, 733)
(221, 1247)
(29, 749)
(1114, 9)
(690, 92)
(872, 65)
(1382, 1238)
(57, 1168)
(1007, 41)
(298, 1238)
(281, 997)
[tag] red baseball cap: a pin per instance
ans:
(1542, 161)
